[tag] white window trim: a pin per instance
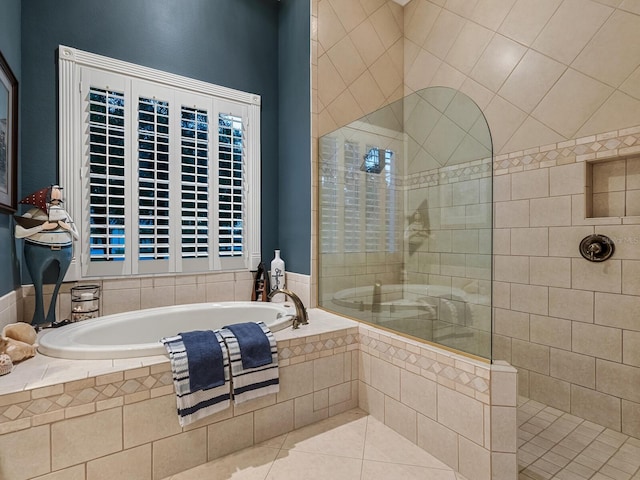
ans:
(70, 63)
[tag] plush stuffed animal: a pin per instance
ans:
(18, 341)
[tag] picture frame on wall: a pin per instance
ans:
(8, 137)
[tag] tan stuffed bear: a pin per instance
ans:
(18, 341)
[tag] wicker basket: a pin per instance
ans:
(5, 364)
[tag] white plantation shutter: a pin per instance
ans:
(170, 173)
(194, 181)
(352, 216)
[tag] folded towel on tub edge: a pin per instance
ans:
(249, 383)
(195, 404)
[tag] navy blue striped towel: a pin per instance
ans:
(252, 382)
(210, 395)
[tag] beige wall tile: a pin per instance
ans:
(511, 324)
(400, 418)
(573, 367)
(504, 429)
(595, 407)
(613, 310)
(511, 269)
(73, 473)
(502, 188)
(550, 391)
(526, 20)
(631, 348)
(531, 80)
(530, 298)
(504, 118)
(418, 393)
(501, 294)
(503, 386)
(530, 184)
(618, 379)
(311, 408)
(570, 28)
(567, 179)
(157, 296)
(133, 463)
(571, 304)
(602, 277)
(504, 466)
(550, 271)
(631, 418)
(461, 414)
(438, 440)
(596, 59)
(328, 371)
(551, 331)
(385, 377)
(564, 241)
(497, 61)
(30, 453)
(350, 14)
(295, 380)
(371, 400)
(330, 29)
(443, 34)
(530, 241)
(118, 301)
(512, 214)
(597, 341)
(178, 453)
(609, 204)
(150, 420)
(474, 461)
(552, 211)
(530, 356)
(626, 239)
(570, 102)
(273, 421)
(84, 438)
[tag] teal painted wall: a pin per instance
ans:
(10, 48)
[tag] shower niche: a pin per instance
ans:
(405, 220)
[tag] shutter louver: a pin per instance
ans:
(329, 200)
(231, 153)
(372, 212)
(352, 176)
(153, 179)
(106, 175)
(195, 183)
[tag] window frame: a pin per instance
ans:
(71, 64)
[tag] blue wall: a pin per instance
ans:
(10, 48)
(228, 42)
(294, 168)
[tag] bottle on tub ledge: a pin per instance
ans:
(277, 277)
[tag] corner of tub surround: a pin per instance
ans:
(11, 307)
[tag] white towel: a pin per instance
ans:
(193, 406)
(252, 382)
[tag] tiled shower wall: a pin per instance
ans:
(570, 326)
(559, 84)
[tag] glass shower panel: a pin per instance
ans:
(405, 220)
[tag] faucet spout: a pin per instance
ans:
(301, 318)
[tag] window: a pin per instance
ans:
(169, 169)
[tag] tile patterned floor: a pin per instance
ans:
(355, 446)
(556, 445)
(349, 446)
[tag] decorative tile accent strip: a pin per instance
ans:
(49, 404)
(618, 143)
(464, 377)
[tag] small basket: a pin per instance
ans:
(6, 365)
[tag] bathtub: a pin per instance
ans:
(138, 333)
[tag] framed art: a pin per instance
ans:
(8, 137)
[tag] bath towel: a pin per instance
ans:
(255, 346)
(196, 404)
(206, 365)
(249, 383)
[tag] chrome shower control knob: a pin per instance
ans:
(597, 248)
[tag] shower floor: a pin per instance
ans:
(355, 446)
(556, 445)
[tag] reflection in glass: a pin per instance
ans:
(405, 220)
